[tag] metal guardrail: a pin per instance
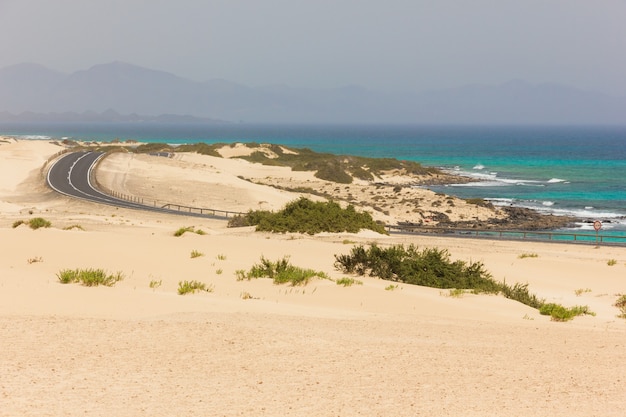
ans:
(553, 236)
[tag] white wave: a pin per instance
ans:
(479, 167)
(548, 203)
(34, 137)
(555, 180)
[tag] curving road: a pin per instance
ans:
(70, 175)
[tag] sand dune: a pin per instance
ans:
(317, 350)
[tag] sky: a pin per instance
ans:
(386, 45)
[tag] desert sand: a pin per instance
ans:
(258, 349)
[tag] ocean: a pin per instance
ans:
(573, 170)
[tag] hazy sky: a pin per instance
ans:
(381, 44)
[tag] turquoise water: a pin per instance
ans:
(578, 170)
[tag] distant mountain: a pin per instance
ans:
(131, 90)
(108, 116)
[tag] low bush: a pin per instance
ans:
(38, 222)
(186, 287)
(348, 282)
(429, 267)
(433, 268)
(190, 229)
(306, 216)
(559, 313)
(280, 272)
(519, 292)
(89, 277)
(17, 223)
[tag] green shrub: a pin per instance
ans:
(519, 292)
(17, 223)
(191, 229)
(528, 255)
(155, 284)
(611, 262)
(74, 226)
(559, 313)
(280, 272)
(306, 216)
(89, 277)
(429, 267)
(38, 222)
(348, 282)
(186, 287)
(433, 268)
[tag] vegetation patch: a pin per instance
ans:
(154, 284)
(186, 287)
(38, 222)
(280, 272)
(306, 216)
(348, 282)
(89, 277)
(190, 229)
(528, 255)
(611, 262)
(559, 313)
(196, 254)
(17, 223)
(581, 291)
(432, 267)
(74, 226)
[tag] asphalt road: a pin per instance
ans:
(70, 175)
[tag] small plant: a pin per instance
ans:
(221, 257)
(281, 272)
(34, 260)
(611, 262)
(89, 277)
(38, 222)
(186, 287)
(528, 255)
(559, 313)
(456, 292)
(196, 254)
(581, 291)
(348, 282)
(74, 226)
(241, 274)
(18, 223)
(391, 287)
(219, 271)
(621, 304)
(154, 284)
(191, 229)
(247, 296)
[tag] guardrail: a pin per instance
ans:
(554, 236)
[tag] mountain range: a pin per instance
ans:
(121, 92)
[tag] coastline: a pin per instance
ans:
(132, 349)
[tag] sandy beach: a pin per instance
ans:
(258, 349)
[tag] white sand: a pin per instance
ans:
(317, 350)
